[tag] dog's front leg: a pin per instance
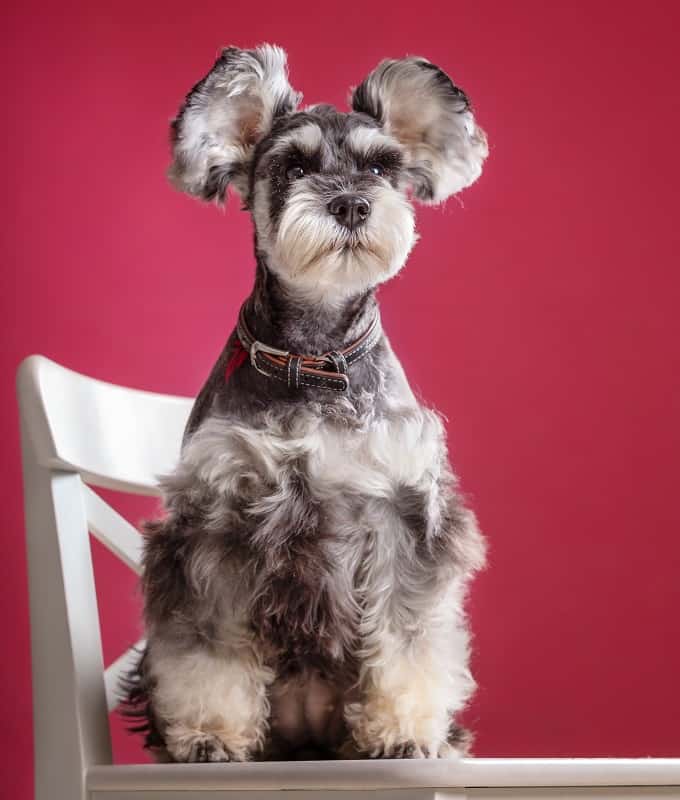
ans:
(211, 705)
(411, 685)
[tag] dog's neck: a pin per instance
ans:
(281, 319)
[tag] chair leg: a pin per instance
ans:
(69, 701)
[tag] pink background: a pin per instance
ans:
(546, 301)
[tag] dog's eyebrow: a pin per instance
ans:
(307, 138)
(365, 140)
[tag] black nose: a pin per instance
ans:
(350, 210)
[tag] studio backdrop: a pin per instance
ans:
(538, 313)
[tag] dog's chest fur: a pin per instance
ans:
(313, 499)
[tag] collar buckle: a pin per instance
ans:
(256, 346)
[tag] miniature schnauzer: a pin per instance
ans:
(304, 592)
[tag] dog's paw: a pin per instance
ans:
(201, 748)
(409, 749)
(455, 747)
(208, 748)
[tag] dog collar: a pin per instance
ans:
(327, 371)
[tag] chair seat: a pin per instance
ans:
(415, 780)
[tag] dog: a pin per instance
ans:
(304, 591)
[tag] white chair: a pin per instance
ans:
(77, 431)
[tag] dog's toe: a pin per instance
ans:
(405, 749)
(401, 750)
(207, 749)
(447, 751)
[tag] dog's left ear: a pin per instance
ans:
(420, 106)
(224, 116)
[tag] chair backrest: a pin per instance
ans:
(76, 430)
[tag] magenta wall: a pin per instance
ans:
(546, 301)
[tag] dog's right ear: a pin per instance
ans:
(418, 103)
(224, 116)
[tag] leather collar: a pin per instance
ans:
(327, 371)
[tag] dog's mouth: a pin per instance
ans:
(348, 240)
(359, 246)
(353, 244)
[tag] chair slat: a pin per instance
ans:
(113, 436)
(116, 671)
(113, 530)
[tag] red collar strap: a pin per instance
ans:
(327, 371)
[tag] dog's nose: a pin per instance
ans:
(350, 210)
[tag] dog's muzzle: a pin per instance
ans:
(326, 371)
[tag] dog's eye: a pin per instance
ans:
(376, 169)
(294, 173)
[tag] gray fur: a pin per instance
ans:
(313, 560)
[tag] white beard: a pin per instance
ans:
(318, 259)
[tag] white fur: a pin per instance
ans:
(222, 695)
(364, 139)
(372, 460)
(317, 257)
(307, 137)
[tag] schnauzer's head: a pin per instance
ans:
(329, 192)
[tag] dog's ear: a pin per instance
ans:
(224, 116)
(418, 104)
